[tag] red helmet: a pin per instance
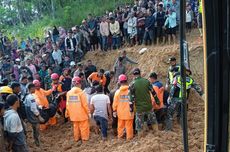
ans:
(122, 77)
(37, 83)
(54, 76)
(76, 80)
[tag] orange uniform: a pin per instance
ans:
(125, 117)
(94, 77)
(160, 95)
(41, 99)
(78, 112)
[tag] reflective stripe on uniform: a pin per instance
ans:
(189, 82)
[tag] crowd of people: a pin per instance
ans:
(40, 80)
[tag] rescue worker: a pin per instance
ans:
(175, 97)
(97, 76)
(174, 68)
(2, 140)
(32, 113)
(122, 110)
(140, 91)
(160, 110)
(78, 111)
(59, 91)
(42, 101)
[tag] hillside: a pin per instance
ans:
(60, 138)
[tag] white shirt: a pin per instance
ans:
(30, 102)
(132, 26)
(100, 102)
(188, 16)
(57, 56)
(12, 122)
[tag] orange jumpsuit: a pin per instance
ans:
(94, 77)
(41, 99)
(160, 95)
(78, 112)
(125, 117)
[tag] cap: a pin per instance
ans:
(70, 31)
(136, 71)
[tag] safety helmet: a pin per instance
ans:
(37, 83)
(122, 77)
(54, 76)
(6, 89)
(76, 80)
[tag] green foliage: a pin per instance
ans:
(68, 14)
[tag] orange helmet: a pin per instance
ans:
(54, 76)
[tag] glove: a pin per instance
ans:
(115, 114)
(40, 119)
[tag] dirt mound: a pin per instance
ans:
(60, 137)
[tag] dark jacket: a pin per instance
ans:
(149, 22)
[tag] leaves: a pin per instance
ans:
(30, 17)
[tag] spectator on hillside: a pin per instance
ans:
(115, 31)
(55, 34)
(92, 28)
(149, 28)
(132, 28)
(160, 20)
(57, 55)
(170, 25)
(104, 31)
(70, 45)
(7, 67)
(140, 27)
(189, 18)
